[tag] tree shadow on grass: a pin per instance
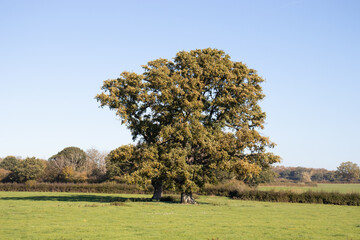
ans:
(89, 198)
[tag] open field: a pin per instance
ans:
(325, 187)
(32, 215)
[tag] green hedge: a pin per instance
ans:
(352, 199)
(73, 187)
(234, 191)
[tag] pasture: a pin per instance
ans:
(33, 215)
(321, 187)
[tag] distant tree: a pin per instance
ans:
(95, 160)
(305, 176)
(67, 174)
(318, 176)
(4, 174)
(29, 169)
(96, 165)
(9, 163)
(348, 171)
(299, 174)
(193, 116)
(52, 172)
(69, 157)
(323, 175)
(267, 175)
(294, 173)
(330, 176)
(284, 173)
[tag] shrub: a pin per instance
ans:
(73, 187)
(352, 199)
(223, 189)
(80, 177)
(30, 183)
(67, 174)
(96, 176)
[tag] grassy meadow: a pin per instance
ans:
(33, 215)
(321, 187)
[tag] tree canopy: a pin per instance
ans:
(191, 116)
(9, 163)
(73, 157)
(348, 171)
(29, 169)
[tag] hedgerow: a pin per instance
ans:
(235, 191)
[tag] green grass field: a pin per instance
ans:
(31, 215)
(342, 188)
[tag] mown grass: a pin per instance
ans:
(31, 215)
(321, 187)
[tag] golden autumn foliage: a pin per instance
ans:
(192, 116)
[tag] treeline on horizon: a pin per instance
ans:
(346, 172)
(73, 165)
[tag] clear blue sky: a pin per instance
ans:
(54, 56)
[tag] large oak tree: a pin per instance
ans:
(192, 116)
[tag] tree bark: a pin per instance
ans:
(158, 188)
(187, 198)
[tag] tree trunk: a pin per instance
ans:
(158, 188)
(187, 198)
